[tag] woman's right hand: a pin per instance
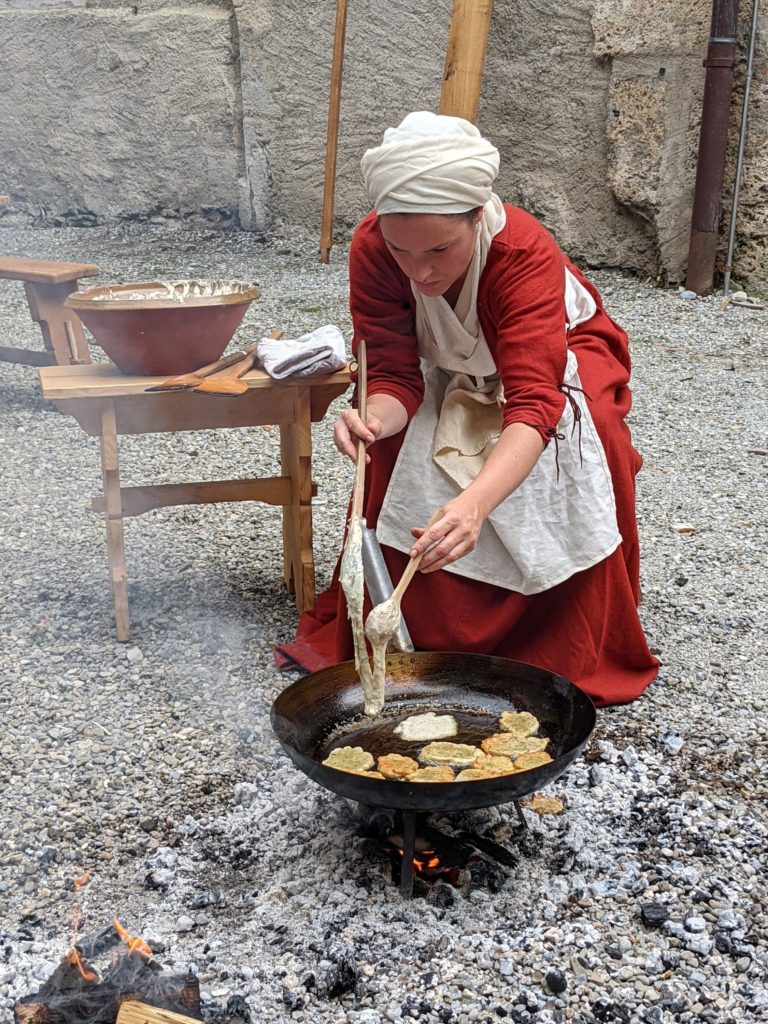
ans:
(349, 429)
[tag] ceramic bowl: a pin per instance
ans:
(157, 328)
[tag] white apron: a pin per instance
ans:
(559, 521)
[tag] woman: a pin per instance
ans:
(497, 392)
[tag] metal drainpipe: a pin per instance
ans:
(713, 142)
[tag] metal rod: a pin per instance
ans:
(713, 143)
(520, 815)
(740, 157)
(379, 584)
(409, 851)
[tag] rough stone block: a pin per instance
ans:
(108, 113)
(627, 28)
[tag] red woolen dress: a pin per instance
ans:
(586, 628)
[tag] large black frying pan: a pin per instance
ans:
(325, 710)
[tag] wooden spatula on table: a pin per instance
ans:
(228, 383)
(195, 377)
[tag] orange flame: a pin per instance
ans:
(425, 860)
(73, 959)
(84, 879)
(135, 944)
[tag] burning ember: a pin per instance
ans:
(74, 960)
(420, 852)
(135, 945)
(84, 879)
(448, 862)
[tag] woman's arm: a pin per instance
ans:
(455, 534)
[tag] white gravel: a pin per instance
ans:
(153, 763)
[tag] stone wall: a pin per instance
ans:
(218, 108)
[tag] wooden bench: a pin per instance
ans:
(47, 284)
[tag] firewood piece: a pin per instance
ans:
(36, 1013)
(133, 1012)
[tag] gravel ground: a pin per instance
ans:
(153, 764)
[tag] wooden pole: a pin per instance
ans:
(465, 56)
(332, 138)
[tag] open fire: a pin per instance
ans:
(420, 852)
(78, 993)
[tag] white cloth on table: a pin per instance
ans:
(318, 352)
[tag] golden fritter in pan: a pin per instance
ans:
(522, 723)
(396, 766)
(434, 773)
(533, 759)
(460, 755)
(350, 759)
(512, 745)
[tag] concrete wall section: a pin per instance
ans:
(393, 63)
(112, 113)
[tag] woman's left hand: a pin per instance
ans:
(451, 537)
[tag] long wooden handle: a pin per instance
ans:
(189, 380)
(332, 138)
(246, 363)
(464, 58)
(249, 352)
(225, 362)
(413, 565)
(362, 408)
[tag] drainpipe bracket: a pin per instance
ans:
(719, 62)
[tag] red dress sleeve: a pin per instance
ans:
(382, 307)
(521, 304)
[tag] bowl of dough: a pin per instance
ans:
(163, 328)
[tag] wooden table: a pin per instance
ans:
(107, 403)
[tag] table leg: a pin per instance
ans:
(113, 514)
(296, 461)
(62, 331)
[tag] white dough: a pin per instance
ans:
(429, 726)
(352, 583)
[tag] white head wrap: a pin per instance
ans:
(430, 163)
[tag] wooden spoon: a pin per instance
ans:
(383, 620)
(191, 380)
(362, 408)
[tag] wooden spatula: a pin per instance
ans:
(191, 380)
(228, 384)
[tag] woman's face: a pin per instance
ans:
(433, 249)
